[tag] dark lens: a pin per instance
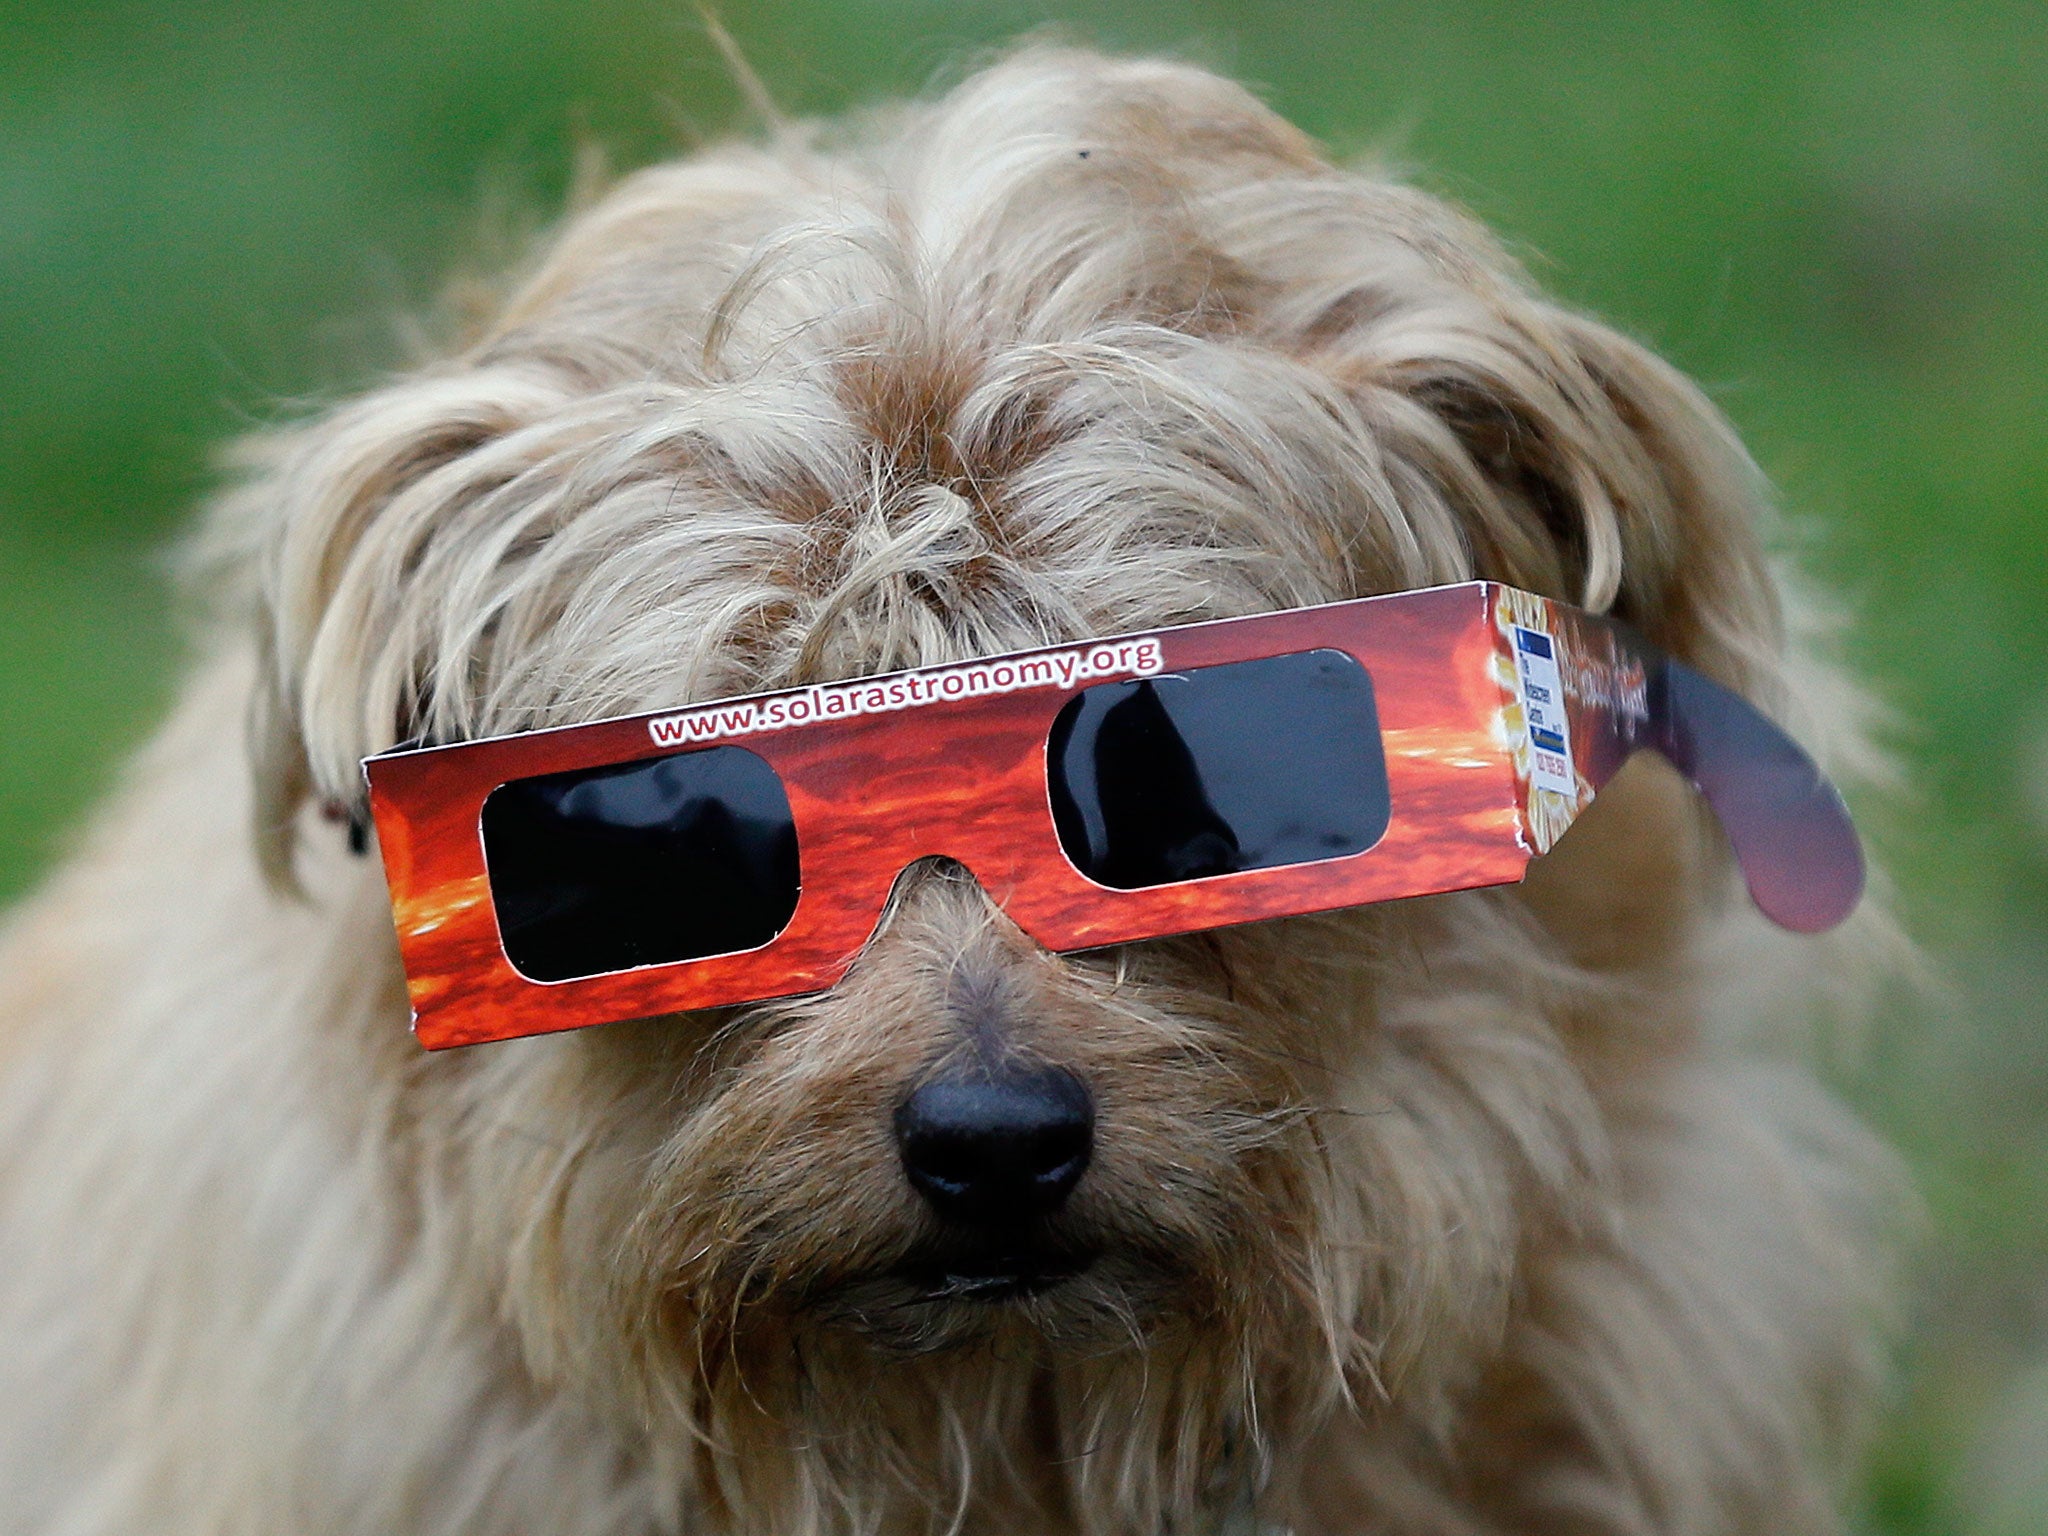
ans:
(673, 859)
(1242, 766)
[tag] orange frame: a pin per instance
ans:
(966, 779)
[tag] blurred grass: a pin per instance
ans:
(1835, 216)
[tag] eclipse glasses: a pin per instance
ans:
(1101, 793)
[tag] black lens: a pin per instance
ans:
(1243, 766)
(672, 859)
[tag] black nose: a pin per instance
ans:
(993, 1150)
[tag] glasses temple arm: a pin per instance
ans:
(1785, 822)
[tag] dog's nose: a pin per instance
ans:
(999, 1149)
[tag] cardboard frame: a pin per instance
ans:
(1471, 727)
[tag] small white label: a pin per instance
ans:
(1550, 732)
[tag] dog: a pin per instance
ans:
(1502, 1211)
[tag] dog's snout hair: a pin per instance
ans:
(1491, 1212)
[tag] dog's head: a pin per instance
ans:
(1086, 347)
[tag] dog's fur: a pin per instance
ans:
(1478, 1214)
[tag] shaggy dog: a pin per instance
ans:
(1470, 1214)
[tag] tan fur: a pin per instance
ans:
(1491, 1213)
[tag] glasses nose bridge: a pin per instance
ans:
(971, 806)
(949, 782)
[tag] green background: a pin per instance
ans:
(1835, 216)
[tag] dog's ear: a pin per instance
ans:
(328, 521)
(1572, 460)
(1690, 509)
